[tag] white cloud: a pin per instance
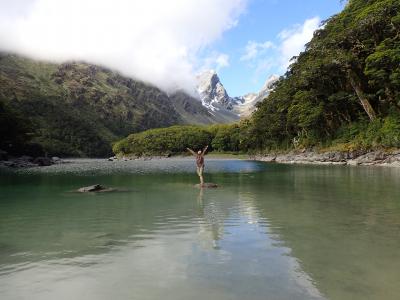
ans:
(222, 61)
(264, 66)
(214, 61)
(266, 58)
(254, 49)
(293, 40)
(154, 40)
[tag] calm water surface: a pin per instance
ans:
(269, 232)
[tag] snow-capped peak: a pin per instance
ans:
(216, 99)
(212, 93)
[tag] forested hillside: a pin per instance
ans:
(78, 109)
(344, 89)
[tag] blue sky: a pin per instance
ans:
(166, 43)
(262, 22)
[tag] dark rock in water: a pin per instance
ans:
(95, 188)
(9, 164)
(26, 161)
(20, 162)
(26, 158)
(207, 185)
(43, 161)
(91, 188)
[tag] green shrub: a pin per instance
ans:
(162, 141)
(381, 133)
(226, 138)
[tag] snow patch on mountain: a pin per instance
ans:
(246, 104)
(215, 98)
(211, 91)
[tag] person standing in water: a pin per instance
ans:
(199, 162)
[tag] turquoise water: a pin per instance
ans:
(268, 232)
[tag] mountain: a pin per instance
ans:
(211, 91)
(79, 109)
(246, 105)
(215, 98)
(192, 111)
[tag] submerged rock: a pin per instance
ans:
(94, 188)
(91, 188)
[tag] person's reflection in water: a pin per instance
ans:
(212, 227)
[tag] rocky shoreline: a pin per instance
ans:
(26, 161)
(354, 158)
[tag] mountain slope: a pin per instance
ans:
(192, 111)
(246, 105)
(78, 109)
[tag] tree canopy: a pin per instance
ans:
(349, 72)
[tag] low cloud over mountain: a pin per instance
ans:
(155, 41)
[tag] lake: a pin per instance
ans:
(269, 231)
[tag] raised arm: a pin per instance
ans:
(191, 151)
(204, 150)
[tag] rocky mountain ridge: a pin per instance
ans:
(216, 99)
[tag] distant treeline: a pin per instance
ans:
(174, 140)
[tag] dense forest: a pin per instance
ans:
(342, 93)
(344, 89)
(175, 140)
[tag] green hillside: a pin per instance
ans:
(77, 109)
